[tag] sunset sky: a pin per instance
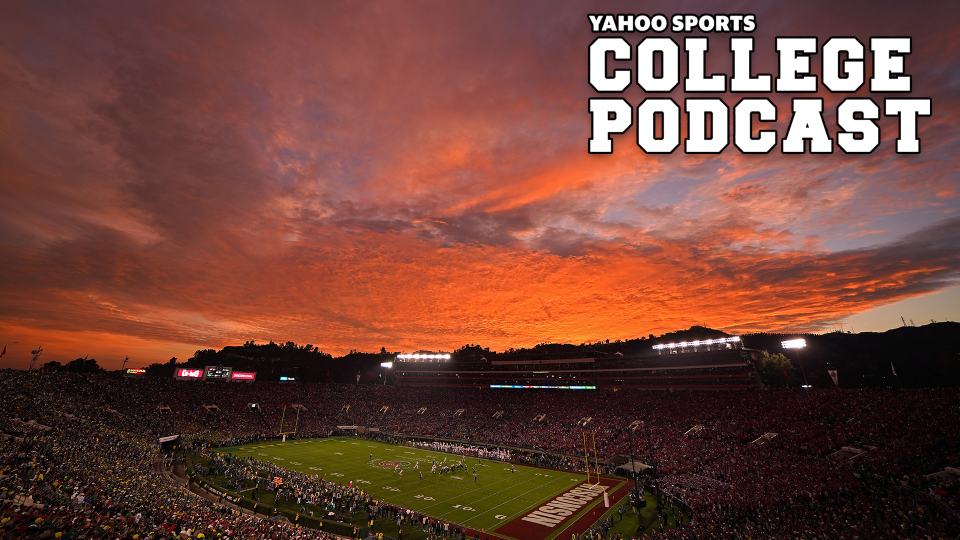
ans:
(415, 175)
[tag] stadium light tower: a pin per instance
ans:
(383, 372)
(637, 497)
(36, 356)
(633, 462)
(797, 344)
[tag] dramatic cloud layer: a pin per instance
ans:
(181, 175)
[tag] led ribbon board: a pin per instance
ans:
(547, 387)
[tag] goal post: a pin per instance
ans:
(593, 433)
(283, 433)
(586, 459)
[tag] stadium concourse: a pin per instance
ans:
(84, 449)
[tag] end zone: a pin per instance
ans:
(571, 510)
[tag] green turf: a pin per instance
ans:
(497, 496)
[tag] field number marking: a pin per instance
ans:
(467, 508)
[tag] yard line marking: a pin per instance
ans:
(526, 508)
(467, 494)
(453, 492)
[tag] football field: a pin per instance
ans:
(529, 504)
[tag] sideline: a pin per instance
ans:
(167, 473)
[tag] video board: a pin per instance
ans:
(217, 373)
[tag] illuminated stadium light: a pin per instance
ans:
(387, 365)
(423, 356)
(794, 344)
(697, 343)
(798, 344)
(549, 387)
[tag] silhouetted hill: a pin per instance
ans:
(924, 356)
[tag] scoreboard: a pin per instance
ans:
(214, 373)
(217, 373)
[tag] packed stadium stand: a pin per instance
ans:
(84, 446)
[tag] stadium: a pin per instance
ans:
(674, 438)
(384, 270)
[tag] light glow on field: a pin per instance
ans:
(502, 493)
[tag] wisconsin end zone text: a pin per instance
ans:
(557, 510)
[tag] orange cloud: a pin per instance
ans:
(416, 175)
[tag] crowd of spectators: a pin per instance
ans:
(71, 472)
(83, 446)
